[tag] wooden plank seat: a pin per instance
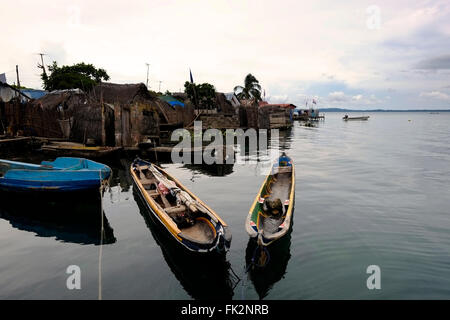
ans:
(283, 169)
(153, 193)
(165, 201)
(176, 209)
(149, 186)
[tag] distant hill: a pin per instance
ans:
(379, 110)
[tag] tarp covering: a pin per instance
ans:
(171, 100)
(34, 94)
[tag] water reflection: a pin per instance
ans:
(263, 278)
(203, 276)
(62, 216)
(213, 170)
(285, 137)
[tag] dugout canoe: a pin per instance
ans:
(185, 217)
(270, 216)
(69, 149)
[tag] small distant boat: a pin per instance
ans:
(187, 219)
(270, 216)
(62, 175)
(309, 124)
(70, 149)
(347, 118)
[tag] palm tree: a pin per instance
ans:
(251, 89)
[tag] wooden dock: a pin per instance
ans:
(12, 144)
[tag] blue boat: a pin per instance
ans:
(62, 175)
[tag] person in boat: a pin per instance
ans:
(273, 208)
(284, 160)
(346, 116)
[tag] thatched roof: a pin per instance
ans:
(121, 93)
(223, 104)
(130, 93)
(111, 93)
(61, 97)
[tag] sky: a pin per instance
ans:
(352, 54)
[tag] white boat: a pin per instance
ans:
(347, 118)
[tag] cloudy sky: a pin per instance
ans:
(352, 54)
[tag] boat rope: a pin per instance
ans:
(235, 275)
(244, 281)
(262, 259)
(257, 261)
(220, 248)
(103, 185)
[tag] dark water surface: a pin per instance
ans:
(367, 193)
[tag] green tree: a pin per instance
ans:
(203, 95)
(80, 75)
(251, 89)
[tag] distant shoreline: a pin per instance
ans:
(379, 110)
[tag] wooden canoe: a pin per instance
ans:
(187, 219)
(70, 149)
(268, 223)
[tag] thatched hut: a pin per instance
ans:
(110, 114)
(12, 102)
(136, 113)
(52, 115)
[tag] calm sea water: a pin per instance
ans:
(367, 193)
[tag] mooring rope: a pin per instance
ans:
(253, 263)
(103, 185)
(100, 254)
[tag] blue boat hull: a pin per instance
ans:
(60, 186)
(61, 175)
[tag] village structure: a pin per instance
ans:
(126, 116)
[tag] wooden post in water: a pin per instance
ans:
(18, 81)
(103, 132)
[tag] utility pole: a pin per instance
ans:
(147, 75)
(160, 85)
(17, 73)
(42, 61)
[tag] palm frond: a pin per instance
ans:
(256, 86)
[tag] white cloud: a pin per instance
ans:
(337, 96)
(436, 95)
(278, 98)
(221, 43)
